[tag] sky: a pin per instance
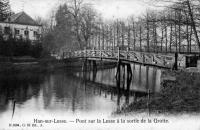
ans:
(108, 8)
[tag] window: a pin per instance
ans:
(7, 30)
(26, 33)
(16, 32)
(35, 33)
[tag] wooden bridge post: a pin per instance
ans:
(70, 53)
(84, 68)
(153, 59)
(118, 74)
(118, 54)
(127, 53)
(143, 57)
(94, 52)
(164, 61)
(63, 55)
(101, 54)
(123, 76)
(176, 61)
(94, 70)
(148, 101)
(129, 70)
(85, 50)
(112, 52)
(175, 67)
(89, 65)
(128, 81)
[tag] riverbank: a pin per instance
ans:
(179, 94)
(23, 64)
(28, 64)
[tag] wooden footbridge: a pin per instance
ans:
(152, 59)
(124, 58)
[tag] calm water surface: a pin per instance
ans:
(67, 94)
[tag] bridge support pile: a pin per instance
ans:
(123, 74)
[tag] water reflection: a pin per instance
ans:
(143, 78)
(63, 92)
(130, 87)
(18, 88)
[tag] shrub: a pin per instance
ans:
(13, 47)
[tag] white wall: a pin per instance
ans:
(22, 28)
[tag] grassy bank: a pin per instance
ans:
(24, 64)
(177, 96)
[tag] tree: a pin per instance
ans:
(88, 21)
(4, 9)
(61, 35)
(74, 9)
(192, 9)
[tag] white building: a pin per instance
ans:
(21, 26)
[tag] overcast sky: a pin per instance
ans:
(108, 8)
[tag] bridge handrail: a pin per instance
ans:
(79, 52)
(142, 57)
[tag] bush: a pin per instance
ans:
(14, 47)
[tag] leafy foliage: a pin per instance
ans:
(4, 9)
(14, 47)
(74, 27)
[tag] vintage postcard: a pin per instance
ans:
(99, 64)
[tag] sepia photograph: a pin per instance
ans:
(99, 64)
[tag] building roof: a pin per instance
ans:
(22, 18)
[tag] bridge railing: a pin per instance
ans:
(91, 53)
(163, 60)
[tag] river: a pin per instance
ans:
(69, 94)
